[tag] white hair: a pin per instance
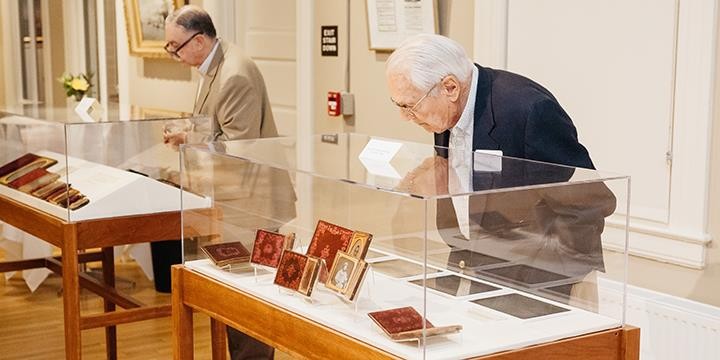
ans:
(427, 58)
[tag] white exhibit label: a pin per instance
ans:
(376, 157)
(88, 109)
(380, 150)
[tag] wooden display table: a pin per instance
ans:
(303, 338)
(71, 237)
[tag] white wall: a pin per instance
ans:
(266, 32)
(636, 77)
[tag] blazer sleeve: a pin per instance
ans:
(550, 136)
(239, 111)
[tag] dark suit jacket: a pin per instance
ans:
(524, 120)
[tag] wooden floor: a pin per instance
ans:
(31, 324)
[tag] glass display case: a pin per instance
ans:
(80, 168)
(83, 182)
(415, 250)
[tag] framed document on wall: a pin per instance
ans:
(392, 21)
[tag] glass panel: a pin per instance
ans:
(32, 154)
(509, 251)
(125, 167)
(113, 168)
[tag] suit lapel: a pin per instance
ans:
(209, 78)
(484, 121)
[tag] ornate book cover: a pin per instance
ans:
(55, 192)
(28, 178)
(269, 246)
(39, 183)
(80, 202)
(327, 240)
(405, 323)
(359, 244)
(61, 197)
(17, 164)
(38, 162)
(227, 253)
(47, 190)
(399, 320)
(291, 270)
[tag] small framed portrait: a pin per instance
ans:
(145, 22)
(342, 272)
(359, 244)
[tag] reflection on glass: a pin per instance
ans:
(526, 275)
(400, 268)
(455, 285)
(520, 306)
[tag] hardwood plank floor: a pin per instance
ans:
(31, 324)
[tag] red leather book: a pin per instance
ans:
(56, 190)
(28, 178)
(82, 201)
(291, 270)
(402, 324)
(227, 253)
(17, 163)
(327, 240)
(399, 320)
(39, 183)
(269, 246)
(39, 162)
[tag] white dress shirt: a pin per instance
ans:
(460, 159)
(205, 67)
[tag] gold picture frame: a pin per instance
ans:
(145, 23)
(346, 275)
(359, 244)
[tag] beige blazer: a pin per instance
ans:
(233, 93)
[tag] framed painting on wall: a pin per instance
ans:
(392, 21)
(145, 23)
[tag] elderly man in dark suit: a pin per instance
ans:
(469, 107)
(438, 87)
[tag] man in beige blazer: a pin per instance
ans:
(232, 92)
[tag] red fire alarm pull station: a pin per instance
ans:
(334, 103)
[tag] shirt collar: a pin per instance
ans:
(465, 124)
(205, 66)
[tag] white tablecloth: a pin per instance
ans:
(19, 245)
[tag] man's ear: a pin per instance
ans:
(450, 87)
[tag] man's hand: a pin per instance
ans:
(174, 139)
(175, 133)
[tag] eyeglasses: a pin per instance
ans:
(174, 53)
(410, 110)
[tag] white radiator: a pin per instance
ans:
(670, 327)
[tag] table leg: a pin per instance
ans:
(108, 269)
(71, 295)
(218, 336)
(182, 317)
